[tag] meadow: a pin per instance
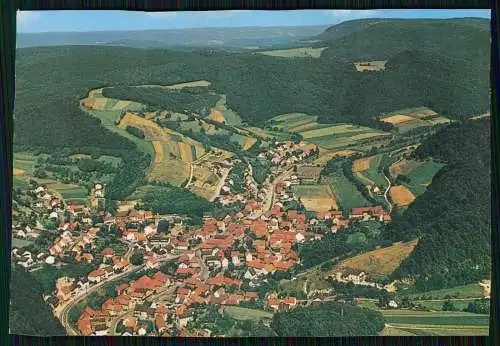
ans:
(303, 52)
(327, 136)
(316, 198)
(381, 261)
(239, 313)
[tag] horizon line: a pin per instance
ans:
(246, 26)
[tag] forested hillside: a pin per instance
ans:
(29, 315)
(328, 319)
(51, 81)
(453, 217)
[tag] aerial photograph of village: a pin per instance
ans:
(251, 173)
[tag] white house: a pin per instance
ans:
(50, 260)
(393, 304)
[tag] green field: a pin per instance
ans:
(239, 313)
(328, 136)
(109, 118)
(348, 196)
(373, 173)
(141, 191)
(421, 176)
(73, 193)
(437, 323)
(438, 305)
(303, 52)
(466, 291)
(21, 242)
(115, 161)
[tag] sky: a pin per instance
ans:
(50, 21)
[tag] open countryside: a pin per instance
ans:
(298, 181)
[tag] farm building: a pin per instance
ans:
(308, 174)
(368, 213)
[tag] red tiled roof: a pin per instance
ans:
(121, 288)
(122, 300)
(162, 309)
(256, 264)
(378, 210)
(160, 321)
(97, 273)
(108, 252)
(251, 295)
(84, 326)
(290, 300)
(161, 277)
(273, 302)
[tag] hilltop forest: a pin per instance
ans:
(452, 218)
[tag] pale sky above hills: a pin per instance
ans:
(50, 21)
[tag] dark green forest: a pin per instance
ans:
(196, 100)
(29, 314)
(452, 218)
(328, 319)
(259, 87)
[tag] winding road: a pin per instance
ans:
(62, 311)
(386, 193)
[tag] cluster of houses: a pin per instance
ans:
(289, 153)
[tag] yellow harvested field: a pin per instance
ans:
(100, 103)
(485, 115)
(174, 171)
(80, 156)
(95, 93)
(88, 102)
(397, 119)
(316, 198)
(120, 105)
(319, 204)
(159, 154)
(377, 65)
(325, 155)
(185, 152)
(402, 167)
(216, 115)
(363, 164)
(381, 261)
(249, 142)
(200, 151)
(18, 171)
(401, 196)
(199, 83)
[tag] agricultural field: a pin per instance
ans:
(194, 84)
(316, 198)
(411, 118)
(381, 261)
(19, 243)
(326, 155)
(346, 193)
(420, 174)
(172, 152)
(239, 313)
(369, 170)
(376, 65)
(109, 119)
(327, 136)
(221, 113)
(401, 196)
(466, 291)
(437, 323)
(304, 52)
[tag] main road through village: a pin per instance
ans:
(62, 311)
